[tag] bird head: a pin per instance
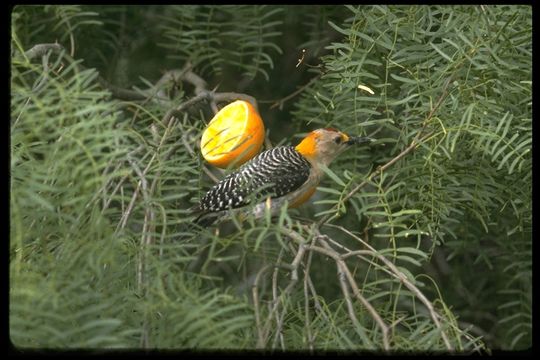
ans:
(323, 145)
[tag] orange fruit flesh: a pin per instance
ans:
(233, 136)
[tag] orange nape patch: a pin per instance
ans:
(303, 198)
(308, 146)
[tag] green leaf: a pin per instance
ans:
(333, 176)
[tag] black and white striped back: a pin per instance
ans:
(275, 172)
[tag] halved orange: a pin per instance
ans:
(233, 136)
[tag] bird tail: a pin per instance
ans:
(202, 218)
(190, 227)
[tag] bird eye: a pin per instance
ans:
(338, 139)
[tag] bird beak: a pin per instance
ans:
(358, 140)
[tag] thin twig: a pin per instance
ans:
(275, 298)
(357, 253)
(186, 144)
(185, 74)
(310, 337)
(348, 301)
(327, 250)
(296, 262)
(283, 295)
(107, 201)
(117, 92)
(144, 186)
(255, 294)
(126, 214)
(44, 75)
(318, 305)
(146, 240)
(294, 278)
(72, 44)
(413, 145)
(20, 114)
(403, 278)
(103, 189)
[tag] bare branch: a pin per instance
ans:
(117, 92)
(231, 96)
(348, 301)
(328, 251)
(403, 278)
(284, 294)
(275, 293)
(194, 79)
(310, 337)
(42, 49)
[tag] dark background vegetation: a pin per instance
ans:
(421, 242)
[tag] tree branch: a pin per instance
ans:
(343, 269)
(413, 145)
(176, 75)
(117, 92)
(403, 279)
(42, 49)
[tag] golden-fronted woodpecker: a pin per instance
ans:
(275, 176)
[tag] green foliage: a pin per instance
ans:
(475, 167)
(41, 23)
(102, 250)
(214, 36)
(64, 136)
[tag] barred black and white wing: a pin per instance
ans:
(275, 173)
